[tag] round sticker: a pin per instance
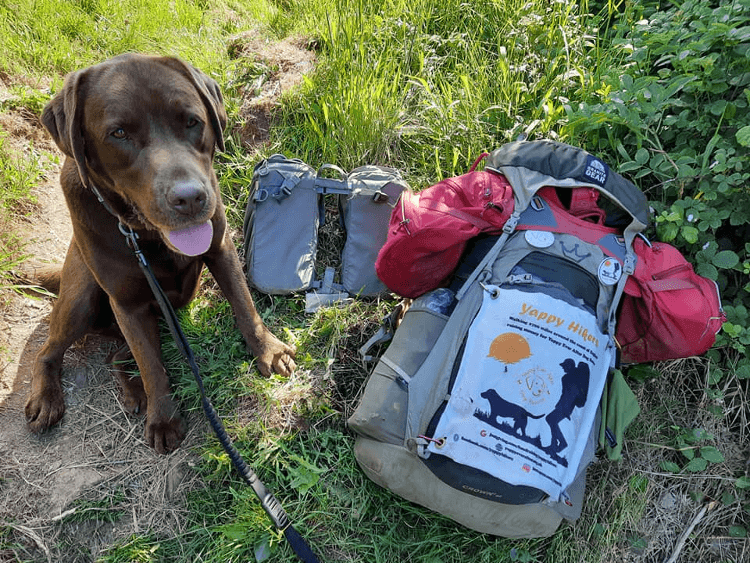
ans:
(610, 271)
(540, 239)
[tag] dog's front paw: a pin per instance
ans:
(44, 409)
(164, 429)
(276, 356)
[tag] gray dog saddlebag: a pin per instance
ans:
(286, 210)
(366, 211)
(281, 226)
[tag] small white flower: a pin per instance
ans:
(690, 218)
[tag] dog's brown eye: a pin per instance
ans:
(119, 133)
(192, 122)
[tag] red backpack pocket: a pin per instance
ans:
(429, 230)
(668, 311)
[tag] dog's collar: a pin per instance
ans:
(104, 202)
(131, 237)
(128, 224)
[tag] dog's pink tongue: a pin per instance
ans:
(193, 240)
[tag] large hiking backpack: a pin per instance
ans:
(485, 406)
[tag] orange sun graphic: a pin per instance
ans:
(509, 348)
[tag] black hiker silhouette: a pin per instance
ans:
(575, 384)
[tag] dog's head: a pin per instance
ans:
(143, 131)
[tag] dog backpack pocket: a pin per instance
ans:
(493, 419)
(365, 212)
(668, 311)
(281, 226)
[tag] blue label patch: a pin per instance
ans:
(596, 171)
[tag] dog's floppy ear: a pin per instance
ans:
(62, 117)
(210, 93)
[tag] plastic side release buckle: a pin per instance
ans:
(286, 187)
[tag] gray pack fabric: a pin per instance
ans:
(485, 406)
(366, 211)
(284, 215)
(281, 226)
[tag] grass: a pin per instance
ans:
(18, 172)
(425, 87)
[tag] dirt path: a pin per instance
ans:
(54, 488)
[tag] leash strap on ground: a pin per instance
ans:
(270, 504)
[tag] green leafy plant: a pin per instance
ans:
(677, 122)
(690, 443)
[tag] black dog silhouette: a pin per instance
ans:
(575, 384)
(499, 407)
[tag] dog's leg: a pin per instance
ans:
(164, 430)
(272, 354)
(74, 313)
(133, 396)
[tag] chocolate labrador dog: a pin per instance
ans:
(140, 133)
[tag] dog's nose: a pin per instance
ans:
(187, 198)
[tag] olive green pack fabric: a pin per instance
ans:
(619, 408)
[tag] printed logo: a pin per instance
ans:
(509, 348)
(596, 171)
(574, 253)
(539, 239)
(610, 271)
(527, 468)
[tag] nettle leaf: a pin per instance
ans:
(670, 466)
(715, 376)
(711, 454)
(696, 465)
(742, 483)
(642, 372)
(743, 136)
(726, 259)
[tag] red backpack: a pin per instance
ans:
(668, 311)
(429, 230)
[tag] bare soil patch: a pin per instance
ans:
(73, 492)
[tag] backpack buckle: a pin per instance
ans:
(286, 187)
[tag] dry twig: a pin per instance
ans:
(689, 530)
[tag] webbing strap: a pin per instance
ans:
(489, 258)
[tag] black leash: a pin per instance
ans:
(268, 502)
